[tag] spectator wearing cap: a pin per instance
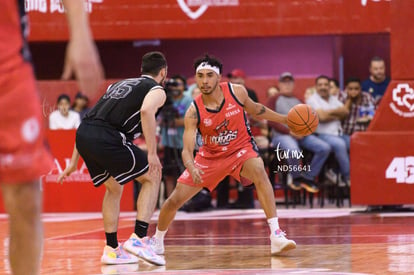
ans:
(63, 117)
(80, 105)
(237, 76)
(284, 140)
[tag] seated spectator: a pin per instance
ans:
(237, 76)
(377, 82)
(284, 140)
(331, 112)
(335, 90)
(80, 105)
(63, 118)
(362, 109)
(309, 92)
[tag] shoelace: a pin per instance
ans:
(280, 233)
(140, 243)
(153, 242)
(145, 243)
(120, 252)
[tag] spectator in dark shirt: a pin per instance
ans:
(377, 82)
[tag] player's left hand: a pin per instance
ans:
(196, 174)
(154, 166)
(69, 170)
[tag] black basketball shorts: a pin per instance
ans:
(107, 152)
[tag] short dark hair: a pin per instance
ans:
(211, 60)
(62, 97)
(376, 58)
(152, 63)
(321, 77)
(352, 79)
(335, 81)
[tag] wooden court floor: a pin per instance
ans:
(330, 241)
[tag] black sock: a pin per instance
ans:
(141, 228)
(112, 239)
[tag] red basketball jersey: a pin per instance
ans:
(11, 34)
(226, 130)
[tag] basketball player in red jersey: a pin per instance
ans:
(228, 148)
(23, 156)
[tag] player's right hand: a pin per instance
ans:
(69, 170)
(154, 167)
(196, 175)
(298, 137)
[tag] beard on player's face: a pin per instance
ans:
(208, 87)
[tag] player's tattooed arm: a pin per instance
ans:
(191, 112)
(261, 109)
(257, 110)
(189, 137)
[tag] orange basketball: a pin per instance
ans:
(302, 120)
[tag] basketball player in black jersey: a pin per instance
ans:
(104, 140)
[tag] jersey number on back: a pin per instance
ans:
(121, 89)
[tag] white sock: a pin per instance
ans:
(160, 234)
(273, 224)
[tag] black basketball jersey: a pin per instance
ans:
(120, 106)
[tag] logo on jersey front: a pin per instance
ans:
(230, 106)
(207, 122)
(232, 113)
(403, 100)
(241, 153)
(224, 135)
(30, 130)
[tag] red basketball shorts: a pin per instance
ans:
(217, 168)
(23, 154)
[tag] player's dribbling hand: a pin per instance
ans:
(154, 166)
(196, 175)
(69, 170)
(298, 137)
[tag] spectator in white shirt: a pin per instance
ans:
(331, 111)
(63, 117)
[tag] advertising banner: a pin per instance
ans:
(177, 19)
